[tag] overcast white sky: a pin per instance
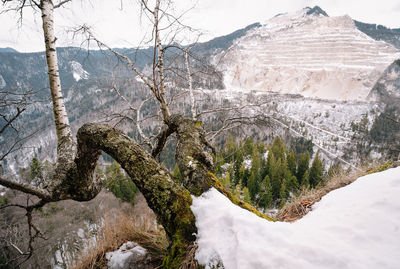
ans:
(122, 27)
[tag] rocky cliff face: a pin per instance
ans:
(307, 53)
(387, 88)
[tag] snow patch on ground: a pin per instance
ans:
(357, 226)
(247, 163)
(78, 72)
(125, 255)
(81, 233)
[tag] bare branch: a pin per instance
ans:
(16, 145)
(86, 29)
(17, 248)
(10, 121)
(61, 3)
(161, 140)
(189, 78)
(160, 64)
(144, 137)
(26, 188)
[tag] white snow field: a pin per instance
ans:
(357, 226)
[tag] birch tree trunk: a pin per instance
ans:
(63, 128)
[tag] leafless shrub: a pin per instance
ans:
(60, 223)
(118, 228)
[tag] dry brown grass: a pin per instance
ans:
(300, 205)
(190, 262)
(119, 228)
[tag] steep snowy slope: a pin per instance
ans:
(357, 226)
(307, 53)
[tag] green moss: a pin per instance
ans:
(176, 253)
(381, 168)
(216, 184)
(183, 227)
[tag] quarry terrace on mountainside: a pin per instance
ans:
(307, 53)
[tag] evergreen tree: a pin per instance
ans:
(219, 161)
(255, 167)
(245, 176)
(248, 146)
(291, 161)
(284, 194)
(226, 181)
(266, 200)
(291, 184)
(278, 148)
(229, 148)
(266, 164)
(246, 195)
(128, 190)
(255, 161)
(36, 169)
(237, 167)
(316, 171)
(275, 176)
(237, 191)
(305, 181)
(302, 167)
(252, 185)
(119, 184)
(302, 145)
(261, 147)
(284, 170)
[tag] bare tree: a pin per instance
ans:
(13, 104)
(74, 178)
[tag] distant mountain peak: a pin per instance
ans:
(317, 11)
(8, 50)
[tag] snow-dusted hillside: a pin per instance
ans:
(357, 226)
(78, 72)
(307, 53)
(328, 123)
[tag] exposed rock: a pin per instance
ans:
(313, 55)
(78, 72)
(317, 10)
(387, 88)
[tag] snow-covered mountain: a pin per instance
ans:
(307, 53)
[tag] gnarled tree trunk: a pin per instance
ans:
(168, 199)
